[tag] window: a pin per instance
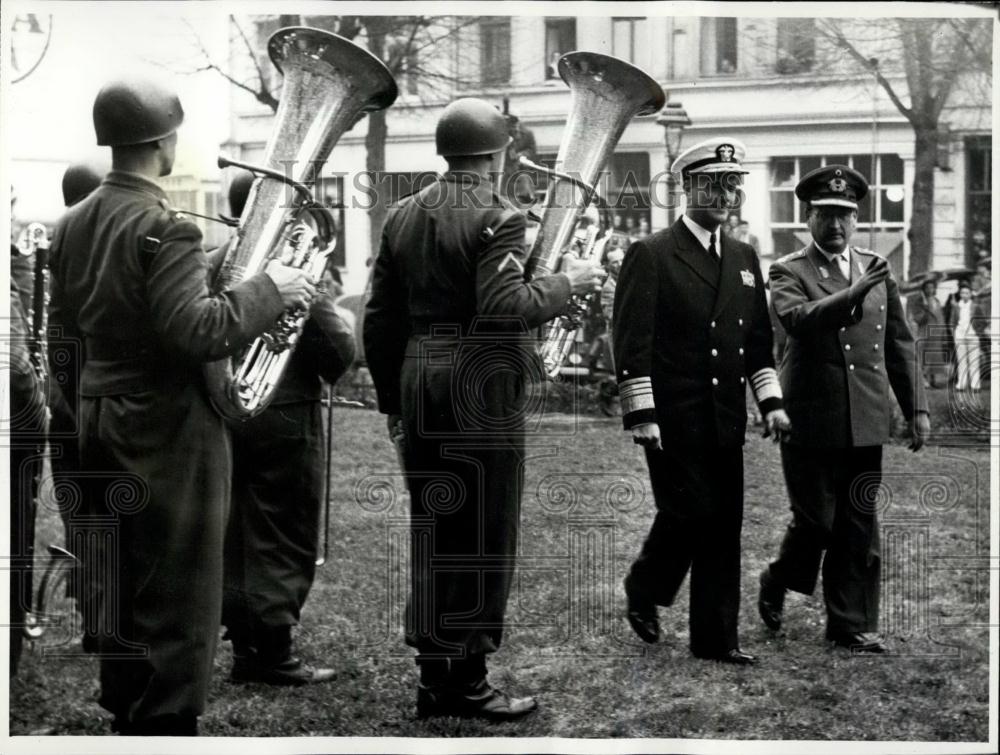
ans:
(623, 38)
(718, 46)
(796, 45)
(330, 192)
(270, 79)
(624, 185)
(884, 202)
(494, 50)
(560, 38)
(978, 195)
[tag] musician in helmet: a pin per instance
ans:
(64, 365)
(278, 472)
(691, 329)
(450, 305)
(129, 280)
(848, 355)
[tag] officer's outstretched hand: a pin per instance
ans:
(584, 277)
(920, 430)
(876, 273)
(293, 284)
(777, 426)
(647, 435)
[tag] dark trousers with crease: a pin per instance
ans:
(833, 493)
(699, 516)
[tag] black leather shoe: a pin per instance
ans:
(770, 601)
(735, 656)
(291, 672)
(478, 701)
(642, 618)
(859, 642)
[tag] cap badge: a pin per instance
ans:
(837, 185)
(838, 172)
(725, 153)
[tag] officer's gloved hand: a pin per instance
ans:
(647, 435)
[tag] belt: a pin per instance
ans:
(112, 350)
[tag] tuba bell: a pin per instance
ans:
(606, 93)
(329, 83)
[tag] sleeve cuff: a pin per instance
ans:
(769, 405)
(765, 385)
(636, 396)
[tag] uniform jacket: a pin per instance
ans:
(450, 253)
(143, 327)
(687, 337)
(842, 365)
(324, 350)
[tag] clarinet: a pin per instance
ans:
(37, 244)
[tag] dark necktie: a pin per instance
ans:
(712, 251)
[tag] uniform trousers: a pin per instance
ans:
(833, 493)
(162, 461)
(699, 516)
(272, 537)
(464, 457)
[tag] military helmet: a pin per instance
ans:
(239, 190)
(78, 181)
(135, 111)
(471, 126)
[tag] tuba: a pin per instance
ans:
(329, 83)
(606, 93)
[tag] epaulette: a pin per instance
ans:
(862, 250)
(793, 256)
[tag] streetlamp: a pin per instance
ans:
(674, 119)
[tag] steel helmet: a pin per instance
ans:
(78, 181)
(471, 126)
(135, 111)
(239, 190)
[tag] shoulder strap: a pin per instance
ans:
(149, 245)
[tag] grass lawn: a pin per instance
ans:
(586, 511)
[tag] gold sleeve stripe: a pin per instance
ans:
(765, 384)
(636, 394)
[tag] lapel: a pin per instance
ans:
(730, 280)
(827, 274)
(693, 254)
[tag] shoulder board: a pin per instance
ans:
(869, 252)
(793, 256)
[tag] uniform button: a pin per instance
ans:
(875, 347)
(740, 321)
(881, 308)
(847, 347)
(741, 351)
(715, 381)
(842, 330)
(850, 367)
(742, 380)
(715, 352)
(875, 367)
(712, 324)
(878, 327)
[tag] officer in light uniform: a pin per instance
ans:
(849, 353)
(691, 329)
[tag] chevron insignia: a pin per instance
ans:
(510, 259)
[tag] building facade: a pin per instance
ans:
(775, 84)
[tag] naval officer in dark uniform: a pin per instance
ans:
(849, 353)
(129, 279)
(446, 337)
(690, 329)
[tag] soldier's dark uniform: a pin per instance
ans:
(147, 324)
(278, 493)
(840, 370)
(689, 332)
(444, 335)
